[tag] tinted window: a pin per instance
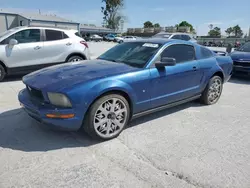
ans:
(52, 35)
(25, 36)
(206, 53)
(245, 47)
(135, 54)
(176, 37)
(185, 37)
(65, 36)
(181, 53)
(162, 35)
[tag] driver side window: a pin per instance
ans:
(180, 52)
(25, 36)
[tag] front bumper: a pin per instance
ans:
(240, 70)
(38, 110)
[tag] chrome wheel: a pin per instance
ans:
(0, 73)
(214, 91)
(110, 118)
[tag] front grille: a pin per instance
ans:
(243, 64)
(35, 93)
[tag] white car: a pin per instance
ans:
(118, 39)
(179, 36)
(95, 38)
(127, 38)
(24, 49)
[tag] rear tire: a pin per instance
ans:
(107, 117)
(2, 73)
(75, 58)
(213, 91)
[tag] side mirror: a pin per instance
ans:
(13, 42)
(165, 61)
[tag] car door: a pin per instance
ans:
(27, 52)
(57, 46)
(174, 83)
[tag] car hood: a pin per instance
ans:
(61, 76)
(240, 56)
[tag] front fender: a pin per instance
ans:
(107, 86)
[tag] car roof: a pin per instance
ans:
(41, 27)
(175, 33)
(164, 41)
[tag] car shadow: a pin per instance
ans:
(20, 132)
(13, 78)
(240, 80)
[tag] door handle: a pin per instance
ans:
(194, 68)
(37, 47)
(69, 43)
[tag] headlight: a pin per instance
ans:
(59, 99)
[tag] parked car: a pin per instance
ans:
(24, 49)
(179, 36)
(118, 39)
(241, 59)
(95, 38)
(109, 37)
(129, 80)
(127, 38)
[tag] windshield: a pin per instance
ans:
(245, 47)
(162, 35)
(135, 54)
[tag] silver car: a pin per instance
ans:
(180, 36)
(24, 49)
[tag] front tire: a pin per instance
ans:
(2, 73)
(107, 117)
(213, 91)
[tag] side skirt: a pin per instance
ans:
(165, 106)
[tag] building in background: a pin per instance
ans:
(147, 32)
(88, 29)
(10, 19)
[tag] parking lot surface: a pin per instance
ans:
(187, 146)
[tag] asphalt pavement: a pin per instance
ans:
(191, 145)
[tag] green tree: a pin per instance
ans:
(237, 31)
(111, 12)
(216, 32)
(148, 24)
(186, 24)
(157, 25)
(229, 31)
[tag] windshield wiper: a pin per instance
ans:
(113, 60)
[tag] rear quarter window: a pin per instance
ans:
(206, 53)
(78, 34)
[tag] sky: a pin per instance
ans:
(200, 13)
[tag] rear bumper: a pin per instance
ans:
(38, 112)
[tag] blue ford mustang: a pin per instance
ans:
(241, 59)
(129, 80)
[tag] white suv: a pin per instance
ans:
(25, 49)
